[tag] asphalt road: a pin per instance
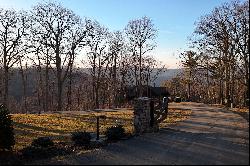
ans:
(210, 136)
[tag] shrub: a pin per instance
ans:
(10, 158)
(81, 138)
(7, 139)
(42, 142)
(33, 152)
(115, 132)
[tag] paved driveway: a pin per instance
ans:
(210, 136)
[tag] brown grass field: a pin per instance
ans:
(58, 126)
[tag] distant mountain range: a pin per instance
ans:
(15, 83)
(167, 75)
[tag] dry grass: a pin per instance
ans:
(175, 116)
(59, 126)
(241, 110)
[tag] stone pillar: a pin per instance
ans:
(142, 116)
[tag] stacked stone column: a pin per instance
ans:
(142, 116)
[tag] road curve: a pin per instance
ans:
(210, 136)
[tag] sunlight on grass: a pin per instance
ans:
(59, 126)
(175, 116)
(240, 110)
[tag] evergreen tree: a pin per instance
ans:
(6, 129)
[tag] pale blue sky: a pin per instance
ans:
(173, 18)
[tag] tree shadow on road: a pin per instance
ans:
(244, 115)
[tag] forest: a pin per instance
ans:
(67, 63)
(50, 41)
(216, 68)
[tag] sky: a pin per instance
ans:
(174, 19)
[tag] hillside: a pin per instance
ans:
(15, 84)
(169, 74)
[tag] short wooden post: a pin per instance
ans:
(97, 128)
(151, 113)
(97, 125)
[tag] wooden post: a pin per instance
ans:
(97, 128)
(97, 125)
(151, 113)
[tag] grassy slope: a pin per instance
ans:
(59, 126)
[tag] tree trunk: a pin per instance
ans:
(94, 82)
(221, 99)
(97, 104)
(40, 86)
(47, 84)
(136, 82)
(46, 89)
(59, 93)
(247, 87)
(232, 84)
(189, 85)
(114, 83)
(59, 81)
(69, 90)
(207, 75)
(140, 73)
(6, 85)
(227, 84)
(24, 81)
(6, 78)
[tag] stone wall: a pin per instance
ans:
(142, 116)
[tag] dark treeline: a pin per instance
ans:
(217, 65)
(50, 40)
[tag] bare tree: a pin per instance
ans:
(12, 30)
(225, 34)
(116, 44)
(125, 77)
(97, 57)
(239, 25)
(65, 32)
(152, 69)
(141, 33)
(189, 61)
